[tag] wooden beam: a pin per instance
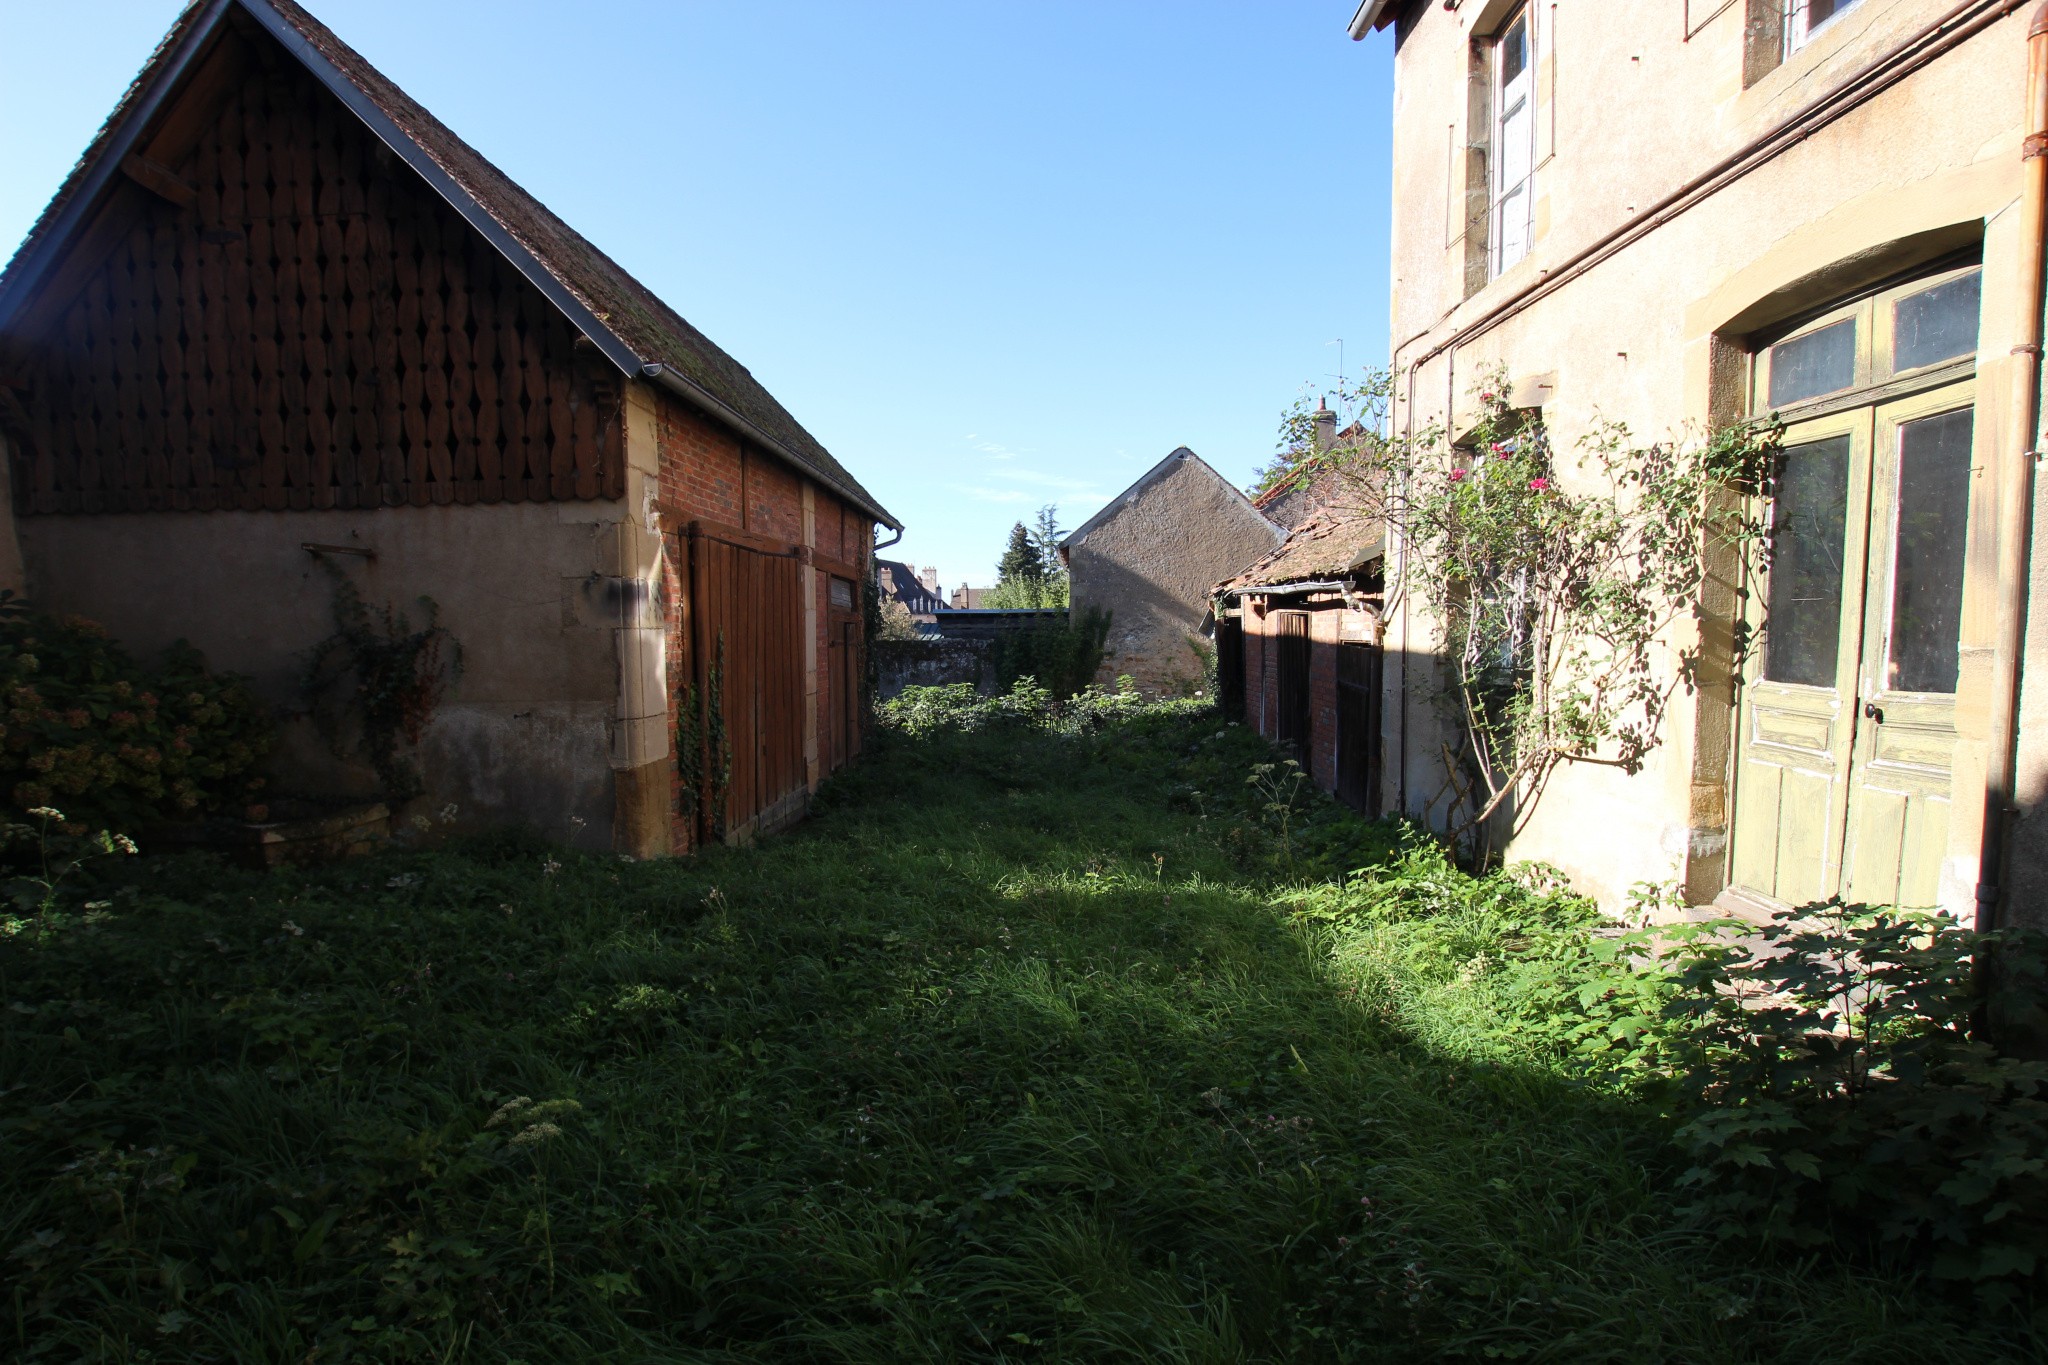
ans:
(159, 180)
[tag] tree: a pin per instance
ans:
(1046, 536)
(1021, 561)
(1030, 576)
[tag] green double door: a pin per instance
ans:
(1846, 741)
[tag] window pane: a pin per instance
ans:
(1936, 324)
(1817, 363)
(1513, 225)
(1927, 573)
(1514, 50)
(1804, 629)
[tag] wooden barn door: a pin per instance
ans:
(842, 674)
(746, 595)
(1358, 726)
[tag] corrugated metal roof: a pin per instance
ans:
(629, 323)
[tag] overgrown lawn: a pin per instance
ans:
(1021, 1049)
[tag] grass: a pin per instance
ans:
(1019, 1050)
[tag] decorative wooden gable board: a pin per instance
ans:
(293, 320)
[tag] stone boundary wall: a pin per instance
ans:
(931, 662)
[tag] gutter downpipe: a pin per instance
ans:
(2016, 495)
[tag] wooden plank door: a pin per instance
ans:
(1358, 726)
(1906, 733)
(1230, 666)
(747, 610)
(1798, 712)
(1291, 704)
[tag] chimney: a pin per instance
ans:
(1326, 427)
(888, 583)
(930, 579)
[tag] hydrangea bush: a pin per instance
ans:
(114, 743)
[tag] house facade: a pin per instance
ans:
(1152, 557)
(1687, 214)
(282, 329)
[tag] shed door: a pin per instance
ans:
(1358, 726)
(1291, 688)
(1230, 666)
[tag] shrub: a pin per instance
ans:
(1061, 655)
(114, 743)
(1836, 1090)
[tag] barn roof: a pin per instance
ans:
(1334, 543)
(639, 333)
(1181, 455)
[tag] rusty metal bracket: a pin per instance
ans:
(2036, 144)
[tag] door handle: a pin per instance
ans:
(1872, 711)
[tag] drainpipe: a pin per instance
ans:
(2015, 492)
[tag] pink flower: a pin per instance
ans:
(1497, 448)
(1539, 484)
(1486, 398)
(1457, 474)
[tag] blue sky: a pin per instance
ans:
(992, 255)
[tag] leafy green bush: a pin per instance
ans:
(1823, 1074)
(957, 708)
(1062, 655)
(114, 743)
(1836, 1090)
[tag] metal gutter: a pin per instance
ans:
(684, 387)
(1367, 18)
(2016, 495)
(23, 273)
(1963, 21)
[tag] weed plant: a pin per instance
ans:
(1033, 1044)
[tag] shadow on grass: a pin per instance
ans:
(1009, 1054)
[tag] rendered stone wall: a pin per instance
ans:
(1656, 333)
(1152, 566)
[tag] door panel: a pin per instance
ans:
(1797, 721)
(1905, 750)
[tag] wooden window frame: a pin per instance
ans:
(1873, 379)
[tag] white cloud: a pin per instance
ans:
(988, 494)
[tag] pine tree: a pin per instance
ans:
(1021, 561)
(1046, 535)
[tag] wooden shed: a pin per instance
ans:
(281, 324)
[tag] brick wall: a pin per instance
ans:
(708, 472)
(1261, 700)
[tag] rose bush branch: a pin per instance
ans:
(1551, 583)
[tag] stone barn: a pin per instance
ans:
(281, 331)
(1150, 559)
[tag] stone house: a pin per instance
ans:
(1694, 214)
(918, 592)
(280, 325)
(1151, 559)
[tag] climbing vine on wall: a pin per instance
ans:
(1553, 583)
(719, 744)
(386, 676)
(689, 752)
